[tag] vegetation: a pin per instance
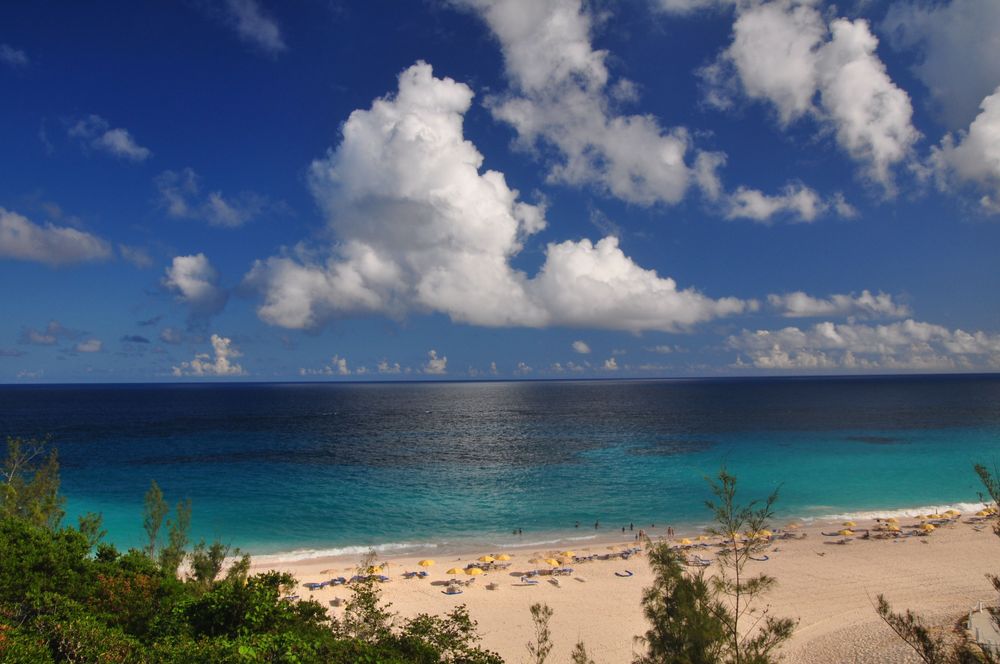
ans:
(67, 597)
(699, 620)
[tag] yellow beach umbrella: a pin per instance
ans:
(685, 541)
(455, 570)
(845, 532)
(764, 533)
(953, 512)
(702, 538)
(849, 524)
(374, 570)
(892, 528)
(426, 563)
(503, 557)
(553, 562)
(486, 559)
(473, 571)
(892, 519)
(982, 513)
(926, 527)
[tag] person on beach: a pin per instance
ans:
(597, 524)
(631, 527)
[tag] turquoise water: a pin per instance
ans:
(335, 468)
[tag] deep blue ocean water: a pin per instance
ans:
(328, 467)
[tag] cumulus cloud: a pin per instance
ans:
(974, 155)
(958, 49)
(95, 132)
(786, 54)
(254, 26)
(610, 364)
(336, 367)
(386, 367)
(21, 239)
(690, 6)
(170, 335)
(435, 365)
(13, 57)
(904, 345)
(217, 363)
(865, 305)
(522, 369)
(581, 347)
(561, 98)
(89, 346)
(796, 202)
(181, 196)
(196, 284)
(421, 228)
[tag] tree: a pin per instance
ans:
(29, 483)
(699, 620)
(172, 554)
(542, 646)
(756, 642)
(155, 511)
(684, 613)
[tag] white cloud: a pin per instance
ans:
(581, 347)
(384, 367)
(522, 369)
(420, 228)
(561, 98)
(785, 53)
(13, 57)
(796, 201)
(975, 155)
(435, 365)
(254, 26)
(196, 283)
(89, 346)
(337, 367)
(52, 245)
(217, 363)
(960, 51)
(170, 335)
(690, 6)
(96, 132)
(180, 194)
(866, 305)
(907, 344)
(50, 336)
(493, 368)
(661, 349)
(611, 364)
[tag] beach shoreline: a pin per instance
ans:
(828, 587)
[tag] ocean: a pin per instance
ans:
(306, 469)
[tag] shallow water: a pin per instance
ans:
(281, 467)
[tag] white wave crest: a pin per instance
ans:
(299, 555)
(964, 508)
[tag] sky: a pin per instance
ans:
(496, 189)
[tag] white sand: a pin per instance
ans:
(829, 588)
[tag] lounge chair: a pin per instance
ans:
(760, 559)
(452, 591)
(625, 574)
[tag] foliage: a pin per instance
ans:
(63, 601)
(29, 483)
(684, 614)
(542, 645)
(579, 654)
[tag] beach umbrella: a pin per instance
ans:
(702, 538)
(685, 541)
(375, 570)
(553, 562)
(892, 519)
(486, 559)
(849, 524)
(426, 563)
(892, 528)
(473, 571)
(926, 527)
(982, 513)
(503, 556)
(953, 512)
(454, 570)
(764, 534)
(845, 532)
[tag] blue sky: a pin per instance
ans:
(243, 190)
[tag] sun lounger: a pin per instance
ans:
(316, 586)
(529, 582)
(625, 574)
(760, 559)
(339, 581)
(452, 591)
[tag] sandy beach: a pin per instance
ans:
(830, 588)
